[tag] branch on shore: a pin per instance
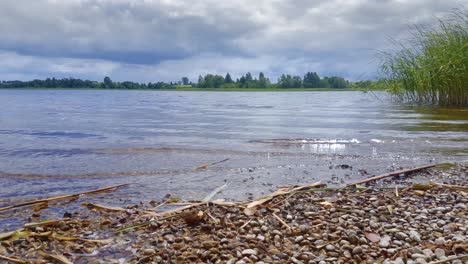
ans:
(391, 174)
(65, 197)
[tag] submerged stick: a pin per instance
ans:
(390, 174)
(63, 197)
(203, 167)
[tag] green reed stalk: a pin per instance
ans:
(432, 67)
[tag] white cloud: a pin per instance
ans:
(166, 39)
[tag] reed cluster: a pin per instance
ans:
(432, 66)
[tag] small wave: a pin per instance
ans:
(301, 141)
(48, 133)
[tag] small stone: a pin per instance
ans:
(385, 241)
(250, 237)
(209, 244)
(420, 261)
(428, 253)
(357, 250)
(415, 236)
(330, 247)
(319, 242)
(298, 239)
(248, 252)
(373, 225)
(440, 241)
(261, 238)
(439, 253)
(417, 256)
(401, 235)
(149, 251)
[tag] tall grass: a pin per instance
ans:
(432, 66)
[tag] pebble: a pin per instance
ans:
(248, 252)
(440, 253)
(298, 239)
(330, 247)
(385, 241)
(149, 251)
(401, 235)
(357, 250)
(415, 236)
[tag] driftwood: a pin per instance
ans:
(448, 186)
(462, 257)
(65, 197)
(390, 174)
(252, 207)
(12, 260)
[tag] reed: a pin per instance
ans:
(432, 66)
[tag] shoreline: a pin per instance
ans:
(210, 89)
(377, 222)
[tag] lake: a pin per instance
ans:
(55, 142)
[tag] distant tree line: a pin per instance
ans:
(285, 81)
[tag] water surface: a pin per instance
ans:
(55, 142)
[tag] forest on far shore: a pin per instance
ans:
(209, 81)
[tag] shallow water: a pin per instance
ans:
(55, 142)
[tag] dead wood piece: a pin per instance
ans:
(55, 258)
(251, 207)
(391, 174)
(449, 186)
(462, 257)
(47, 223)
(281, 221)
(57, 198)
(99, 207)
(11, 260)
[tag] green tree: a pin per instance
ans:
(108, 82)
(228, 78)
(311, 80)
(185, 81)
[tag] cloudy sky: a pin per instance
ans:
(153, 40)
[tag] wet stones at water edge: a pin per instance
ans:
(413, 225)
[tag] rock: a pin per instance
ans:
(415, 236)
(357, 250)
(373, 225)
(440, 241)
(149, 251)
(428, 253)
(274, 251)
(319, 242)
(401, 235)
(330, 247)
(298, 239)
(420, 261)
(209, 244)
(250, 237)
(248, 252)
(440, 253)
(417, 256)
(385, 241)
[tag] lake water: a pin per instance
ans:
(55, 142)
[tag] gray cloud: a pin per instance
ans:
(151, 40)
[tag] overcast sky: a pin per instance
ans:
(163, 40)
